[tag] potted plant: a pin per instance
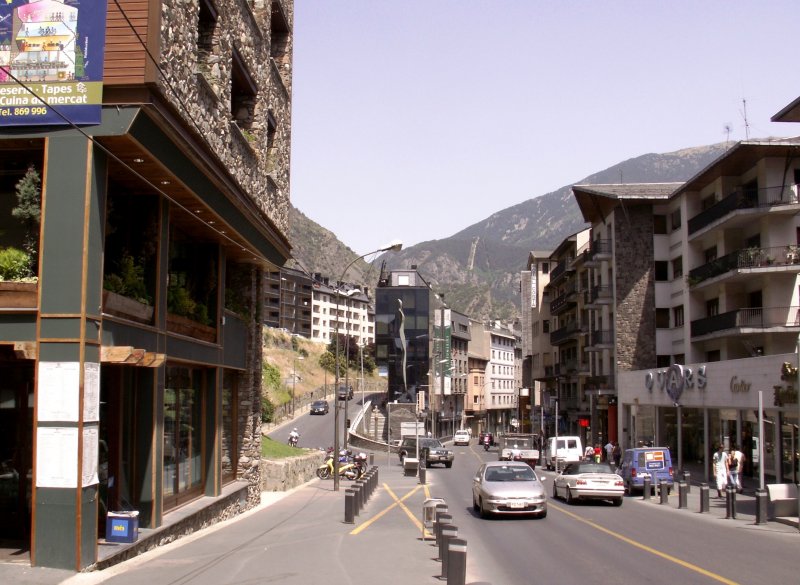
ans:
(125, 293)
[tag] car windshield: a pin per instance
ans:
(319, 403)
(510, 473)
(431, 443)
(588, 468)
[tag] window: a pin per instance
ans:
(679, 358)
(712, 307)
(677, 315)
(677, 267)
(546, 326)
(661, 270)
(675, 219)
(545, 267)
(206, 29)
(662, 361)
(713, 356)
(278, 36)
(708, 202)
(183, 445)
(243, 93)
(659, 224)
(710, 254)
(662, 318)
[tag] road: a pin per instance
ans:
(316, 431)
(598, 543)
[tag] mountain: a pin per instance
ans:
(478, 268)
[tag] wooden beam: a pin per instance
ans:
(25, 350)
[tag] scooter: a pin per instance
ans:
(486, 444)
(293, 440)
(348, 467)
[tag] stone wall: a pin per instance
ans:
(634, 320)
(253, 143)
(285, 474)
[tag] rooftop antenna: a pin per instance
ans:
(746, 123)
(727, 130)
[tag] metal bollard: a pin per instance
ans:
(687, 477)
(349, 506)
(646, 487)
(457, 562)
(422, 475)
(682, 493)
(704, 498)
(730, 503)
(372, 458)
(356, 489)
(664, 492)
(449, 532)
(442, 521)
(761, 506)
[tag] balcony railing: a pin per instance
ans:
(749, 318)
(565, 333)
(600, 248)
(740, 199)
(746, 258)
(556, 272)
(563, 300)
(597, 293)
(601, 337)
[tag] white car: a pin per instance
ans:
(461, 438)
(508, 487)
(590, 481)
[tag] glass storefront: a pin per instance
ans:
(183, 446)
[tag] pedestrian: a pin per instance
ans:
(598, 453)
(617, 454)
(609, 449)
(735, 467)
(720, 467)
(588, 453)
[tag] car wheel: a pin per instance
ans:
(570, 499)
(449, 464)
(403, 459)
(617, 502)
(542, 515)
(483, 513)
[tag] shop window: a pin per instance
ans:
(230, 425)
(183, 445)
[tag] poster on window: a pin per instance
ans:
(51, 61)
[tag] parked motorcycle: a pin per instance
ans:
(349, 467)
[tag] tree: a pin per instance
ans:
(29, 212)
(327, 361)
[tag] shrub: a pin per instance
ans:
(15, 264)
(272, 377)
(267, 410)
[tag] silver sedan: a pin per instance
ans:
(589, 480)
(508, 487)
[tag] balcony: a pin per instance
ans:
(567, 333)
(741, 199)
(746, 320)
(598, 250)
(776, 257)
(600, 339)
(564, 301)
(563, 268)
(599, 295)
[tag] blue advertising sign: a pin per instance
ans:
(51, 61)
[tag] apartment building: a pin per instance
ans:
(131, 349)
(705, 305)
(350, 314)
(503, 373)
(288, 295)
(538, 354)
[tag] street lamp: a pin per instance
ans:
(294, 379)
(395, 247)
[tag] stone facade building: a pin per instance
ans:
(132, 353)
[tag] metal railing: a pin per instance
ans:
(745, 258)
(747, 318)
(740, 199)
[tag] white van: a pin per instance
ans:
(568, 450)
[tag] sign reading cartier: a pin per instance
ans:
(675, 379)
(51, 61)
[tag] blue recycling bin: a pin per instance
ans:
(122, 527)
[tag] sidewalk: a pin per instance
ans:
(282, 533)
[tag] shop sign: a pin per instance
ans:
(739, 386)
(675, 379)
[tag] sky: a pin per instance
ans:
(414, 119)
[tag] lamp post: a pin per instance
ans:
(294, 379)
(393, 248)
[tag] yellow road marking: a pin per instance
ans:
(382, 512)
(405, 509)
(646, 548)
